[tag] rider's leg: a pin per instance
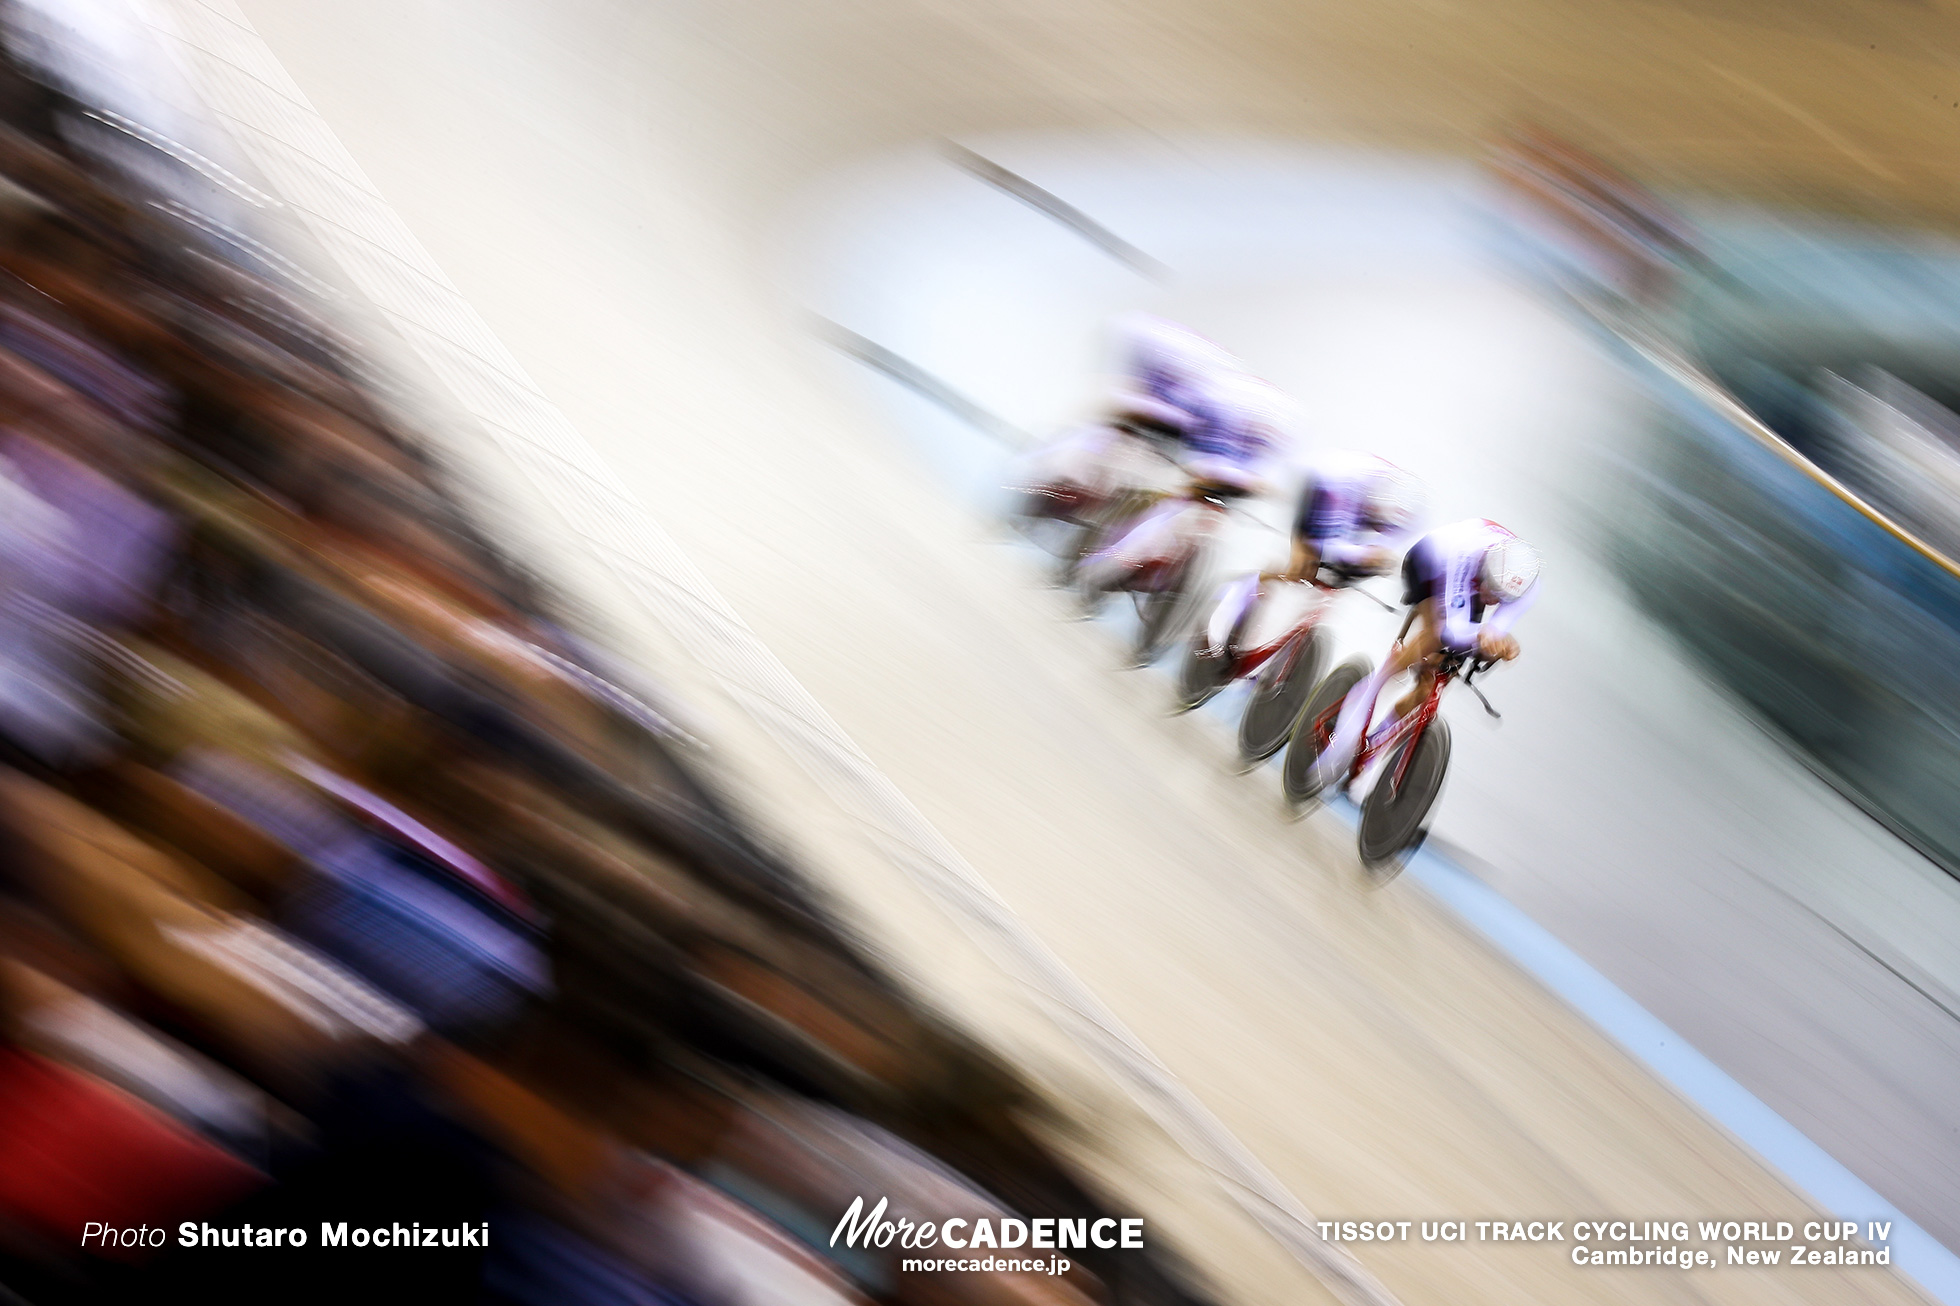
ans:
(1303, 563)
(1357, 710)
(1419, 689)
(1425, 681)
(1236, 601)
(1422, 650)
(1135, 544)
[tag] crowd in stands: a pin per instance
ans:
(341, 882)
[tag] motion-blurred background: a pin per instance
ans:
(519, 705)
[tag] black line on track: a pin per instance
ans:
(921, 382)
(1012, 183)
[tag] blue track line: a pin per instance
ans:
(1806, 1165)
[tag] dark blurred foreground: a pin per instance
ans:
(342, 884)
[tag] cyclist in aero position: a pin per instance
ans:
(1467, 584)
(1167, 369)
(1357, 513)
(1162, 553)
(1236, 435)
(1239, 434)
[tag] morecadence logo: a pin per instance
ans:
(872, 1231)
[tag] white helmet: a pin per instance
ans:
(1395, 498)
(1510, 568)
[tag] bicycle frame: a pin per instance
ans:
(1410, 727)
(1151, 570)
(1407, 728)
(1248, 661)
(1077, 493)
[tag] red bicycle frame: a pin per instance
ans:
(1250, 660)
(1409, 727)
(1151, 572)
(1074, 499)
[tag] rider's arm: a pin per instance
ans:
(1305, 560)
(1132, 401)
(1500, 620)
(1455, 627)
(1347, 551)
(1329, 525)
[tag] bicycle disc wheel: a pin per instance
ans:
(1161, 612)
(1314, 729)
(1393, 816)
(1279, 695)
(1079, 540)
(1201, 674)
(1155, 611)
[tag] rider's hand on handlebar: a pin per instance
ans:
(1496, 648)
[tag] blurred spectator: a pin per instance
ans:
(338, 881)
(1632, 242)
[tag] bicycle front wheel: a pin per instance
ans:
(1393, 817)
(1093, 531)
(1315, 729)
(1162, 612)
(1202, 674)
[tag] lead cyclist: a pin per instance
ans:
(1467, 584)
